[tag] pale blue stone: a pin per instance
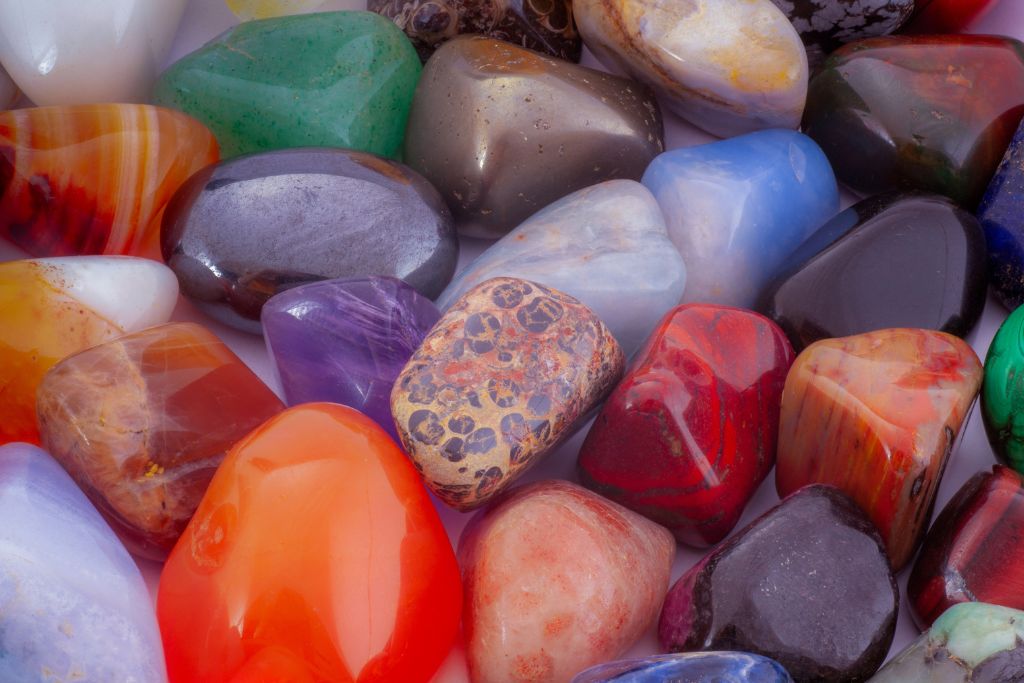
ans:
(736, 209)
(73, 605)
(606, 245)
(692, 667)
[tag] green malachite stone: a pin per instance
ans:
(1002, 394)
(335, 79)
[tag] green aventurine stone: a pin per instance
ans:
(335, 79)
(1002, 394)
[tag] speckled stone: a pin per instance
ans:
(335, 79)
(504, 376)
(824, 25)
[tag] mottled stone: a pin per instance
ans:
(248, 228)
(518, 130)
(556, 580)
(693, 667)
(142, 423)
(807, 584)
(727, 66)
(877, 415)
(506, 374)
(1001, 213)
(335, 79)
(1002, 394)
(73, 606)
(346, 341)
(606, 245)
(824, 25)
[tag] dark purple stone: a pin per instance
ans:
(346, 341)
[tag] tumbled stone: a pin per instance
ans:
(877, 416)
(930, 113)
(556, 580)
(1002, 393)
(691, 667)
(346, 341)
(970, 643)
(247, 10)
(541, 25)
(334, 79)
(609, 234)
(824, 25)
(9, 93)
(727, 66)
(248, 228)
(895, 260)
(315, 555)
(807, 584)
(73, 606)
(737, 209)
(1002, 219)
(505, 375)
(142, 422)
(974, 551)
(502, 131)
(690, 431)
(947, 16)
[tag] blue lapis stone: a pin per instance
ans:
(1002, 217)
(693, 667)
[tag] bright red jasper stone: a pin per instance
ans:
(315, 555)
(691, 431)
(946, 16)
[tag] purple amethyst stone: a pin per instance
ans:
(346, 341)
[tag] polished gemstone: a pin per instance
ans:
(9, 93)
(346, 341)
(690, 431)
(84, 52)
(877, 415)
(824, 25)
(316, 555)
(947, 16)
(557, 579)
(502, 131)
(895, 260)
(52, 308)
(248, 228)
(807, 584)
(142, 422)
(969, 643)
(931, 113)
(727, 66)
(736, 209)
(1002, 216)
(94, 179)
(506, 374)
(974, 551)
(247, 10)
(541, 25)
(606, 245)
(691, 667)
(74, 606)
(336, 79)
(1002, 394)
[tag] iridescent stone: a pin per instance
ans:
(557, 579)
(692, 667)
(877, 415)
(1002, 394)
(346, 341)
(142, 423)
(1002, 218)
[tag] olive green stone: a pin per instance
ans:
(335, 79)
(1002, 394)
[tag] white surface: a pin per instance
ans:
(205, 19)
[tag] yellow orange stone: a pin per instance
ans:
(264, 9)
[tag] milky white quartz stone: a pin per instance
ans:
(85, 51)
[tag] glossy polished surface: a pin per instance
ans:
(335, 79)
(895, 260)
(247, 10)
(143, 421)
(51, 308)
(824, 25)
(1002, 394)
(557, 579)
(947, 16)
(877, 416)
(1001, 213)
(690, 431)
(94, 179)
(347, 576)
(506, 374)
(930, 113)
(727, 66)
(251, 227)
(496, 164)
(807, 584)
(974, 551)
(694, 667)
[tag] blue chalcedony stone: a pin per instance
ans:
(693, 667)
(737, 208)
(1002, 216)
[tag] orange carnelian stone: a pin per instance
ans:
(316, 556)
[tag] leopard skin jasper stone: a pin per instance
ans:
(500, 381)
